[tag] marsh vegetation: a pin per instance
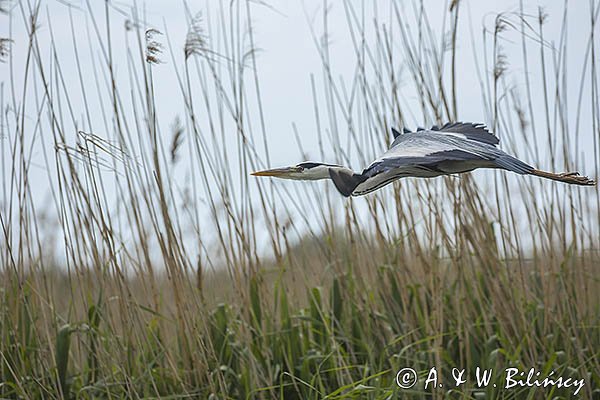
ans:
(124, 282)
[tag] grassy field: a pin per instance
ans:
(125, 282)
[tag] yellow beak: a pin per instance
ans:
(275, 171)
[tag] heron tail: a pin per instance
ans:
(345, 181)
(572, 178)
(513, 164)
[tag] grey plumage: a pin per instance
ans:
(477, 132)
(454, 148)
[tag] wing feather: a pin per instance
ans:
(471, 131)
(428, 162)
(466, 130)
(453, 148)
(430, 148)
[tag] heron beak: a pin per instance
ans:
(278, 172)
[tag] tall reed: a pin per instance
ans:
(127, 281)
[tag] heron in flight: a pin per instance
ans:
(454, 148)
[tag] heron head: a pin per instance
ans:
(304, 171)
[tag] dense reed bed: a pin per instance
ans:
(154, 266)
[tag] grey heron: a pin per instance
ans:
(454, 148)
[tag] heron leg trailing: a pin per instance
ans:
(572, 178)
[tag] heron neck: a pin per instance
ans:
(322, 171)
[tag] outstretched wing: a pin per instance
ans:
(434, 145)
(454, 148)
(466, 130)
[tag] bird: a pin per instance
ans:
(454, 148)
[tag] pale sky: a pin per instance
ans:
(287, 54)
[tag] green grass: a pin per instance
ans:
(126, 282)
(346, 339)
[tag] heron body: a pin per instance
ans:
(452, 149)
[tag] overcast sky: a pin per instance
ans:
(287, 54)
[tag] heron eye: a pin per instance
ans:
(300, 168)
